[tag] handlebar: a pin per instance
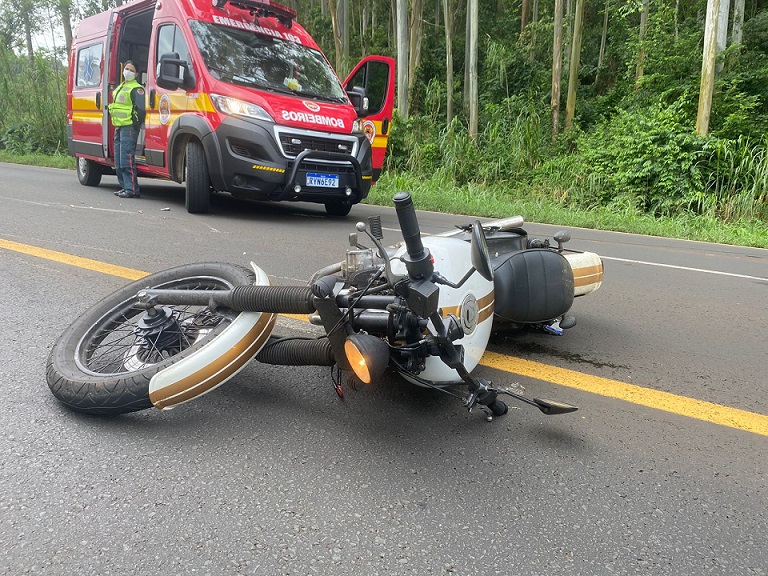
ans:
(409, 225)
(418, 262)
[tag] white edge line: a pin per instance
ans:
(733, 275)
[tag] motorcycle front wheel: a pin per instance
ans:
(104, 361)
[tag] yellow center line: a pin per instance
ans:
(648, 397)
(681, 405)
(64, 258)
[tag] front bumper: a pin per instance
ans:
(262, 161)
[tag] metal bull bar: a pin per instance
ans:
(288, 191)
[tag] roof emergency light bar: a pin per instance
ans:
(262, 9)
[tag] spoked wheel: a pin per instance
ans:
(104, 361)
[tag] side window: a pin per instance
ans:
(89, 66)
(373, 76)
(170, 39)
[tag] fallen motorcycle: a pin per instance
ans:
(425, 309)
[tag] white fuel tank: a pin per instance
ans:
(472, 304)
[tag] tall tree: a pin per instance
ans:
(65, 11)
(402, 57)
(333, 8)
(416, 34)
(573, 76)
(738, 21)
(557, 60)
(524, 15)
(448, 8)
(640, 68)
(722, 30)
(473, 80)
(603, 42)
(708, 67)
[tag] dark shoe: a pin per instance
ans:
(126, 194)
(118, 192)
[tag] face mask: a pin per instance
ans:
(128, 75)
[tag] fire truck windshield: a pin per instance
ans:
(261, 61)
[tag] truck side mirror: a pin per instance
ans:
(173, 73)
(359, 100)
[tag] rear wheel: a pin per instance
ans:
(103, 362)
(88, 172)
(197, 178)
(338, 208)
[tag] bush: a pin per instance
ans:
(646, 157)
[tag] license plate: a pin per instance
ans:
(322, 180)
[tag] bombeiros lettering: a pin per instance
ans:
(312, 118)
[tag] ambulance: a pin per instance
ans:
(240, 99)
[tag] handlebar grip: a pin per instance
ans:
(409, 225)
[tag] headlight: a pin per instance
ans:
(367, 355)
(235, 107)
(357, 126)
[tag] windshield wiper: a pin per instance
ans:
(336, 99)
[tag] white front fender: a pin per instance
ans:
(216, 361)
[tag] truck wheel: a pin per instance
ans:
(89, 173)
(197, 179)
(338, 208)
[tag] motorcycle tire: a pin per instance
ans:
(99, 365)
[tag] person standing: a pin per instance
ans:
(127, 111)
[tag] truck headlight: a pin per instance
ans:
(357, 126)
(235, 107)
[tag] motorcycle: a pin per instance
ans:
(425, 309)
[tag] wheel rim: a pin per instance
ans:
(82, 166)
(116, 344)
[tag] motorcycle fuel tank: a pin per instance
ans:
(472, 304)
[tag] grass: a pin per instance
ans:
(439, 194)
(57, 161)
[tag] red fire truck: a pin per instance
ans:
(239, 99)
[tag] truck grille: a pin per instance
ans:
(294, 144)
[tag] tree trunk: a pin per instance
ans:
(708, 67)
(448, 18)
(603, 39)
(738, 21)
(722, 30)
(641, 52)
(417, 27)
(402, 57)
(557, 59)
(345, 33)
(524, 15)
(333, 8)
(66, 21)
(573, 77)
(473, 92)
(467, 55)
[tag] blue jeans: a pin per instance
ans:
(125, 158)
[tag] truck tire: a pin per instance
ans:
(88, 172)
(197, 178)
(100, 365)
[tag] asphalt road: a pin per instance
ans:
(273, 474)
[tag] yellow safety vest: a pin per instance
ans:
(121, 109)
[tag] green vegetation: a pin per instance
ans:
(438, 195)
(631, 161)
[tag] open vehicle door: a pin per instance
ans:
(376, 74)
